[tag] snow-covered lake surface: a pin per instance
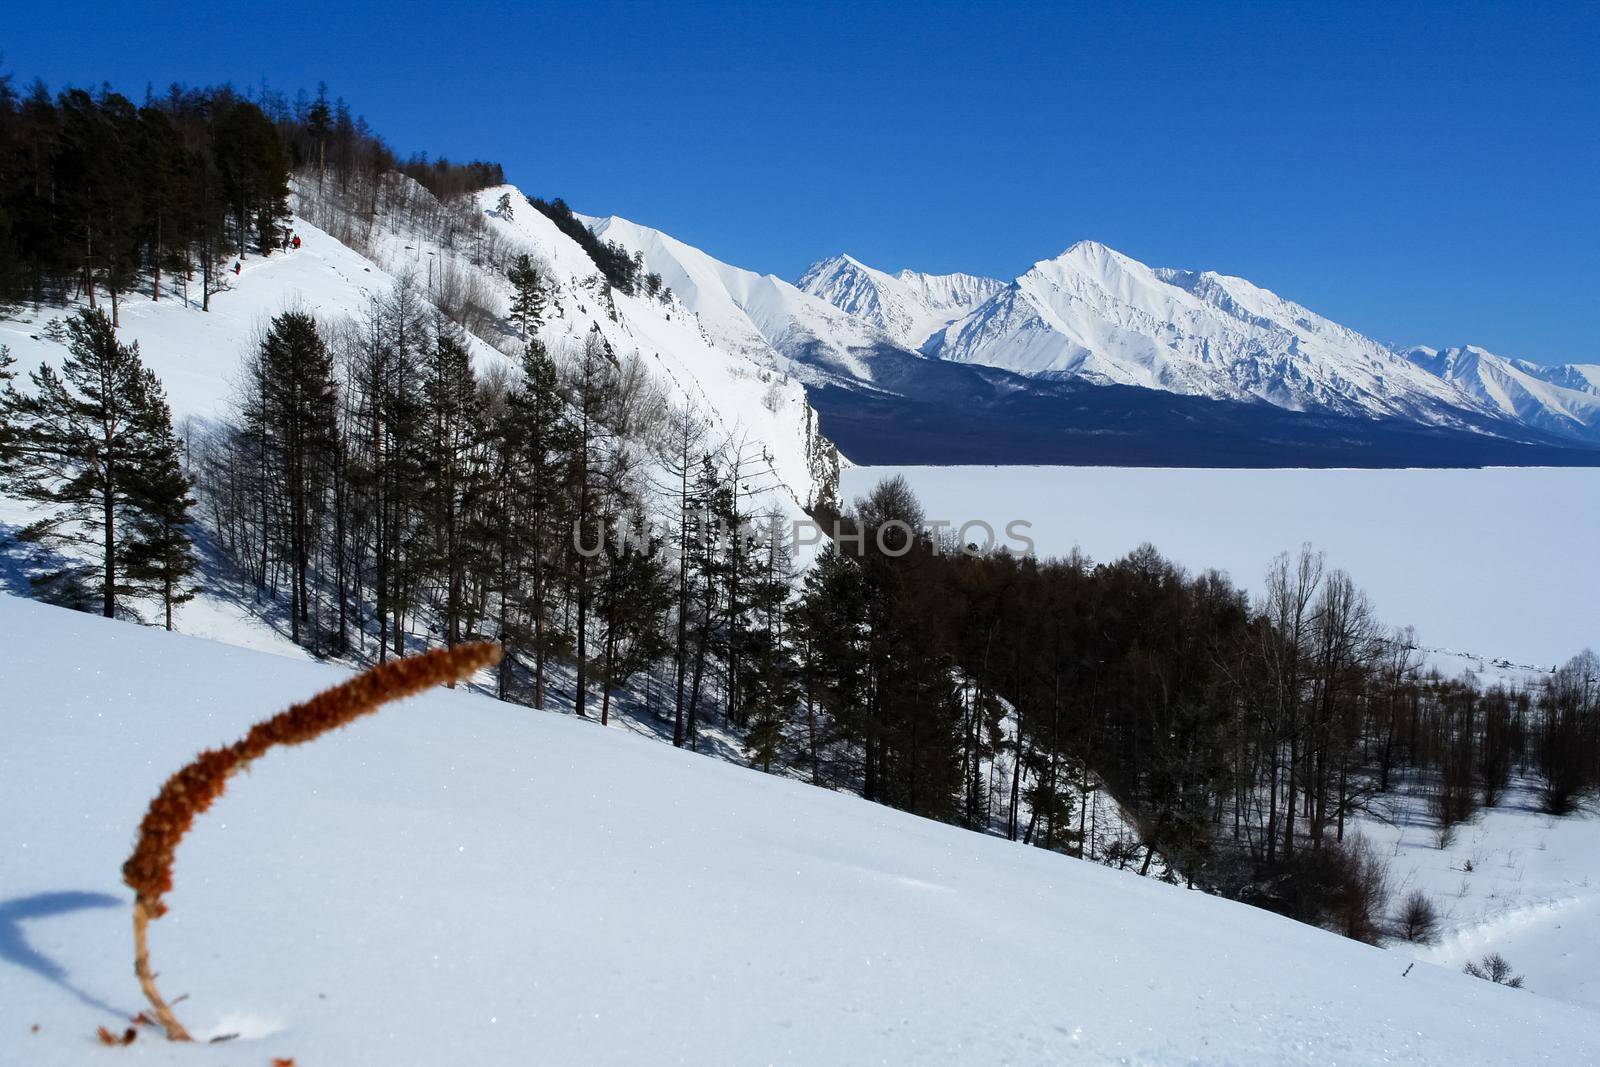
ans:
(457, 880)
(1496, 563)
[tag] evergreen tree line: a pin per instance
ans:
(93, 449)
(1238, 735)
(99, 196)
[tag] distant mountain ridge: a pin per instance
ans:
(907, 307)
(1094, 357)
(1095, 314)
(1563, 399)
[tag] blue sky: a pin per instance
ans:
(1422, 173)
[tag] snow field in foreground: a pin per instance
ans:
(457, 880)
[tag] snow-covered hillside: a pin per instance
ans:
(1563, 400)
(1514, 881)
(759, 316)
(1097, 314)
(746, 399)
(197, 354)
(1488, 565)
(907, 306)
(458, 880)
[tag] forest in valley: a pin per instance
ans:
(381, 495)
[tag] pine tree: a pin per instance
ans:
(541, 441)
(293, 415)
(319, 121)
(707, 544)
(389, 421)
(633, 594)
(829, 626)
(527, 295)
(160, 558)
(496, 527)
(768, 687)
(590, 389)
(450, 391)
(686, 442)
(87, 444)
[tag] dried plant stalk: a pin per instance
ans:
(192, 790)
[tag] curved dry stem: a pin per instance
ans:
(147, 979)
(197, 784)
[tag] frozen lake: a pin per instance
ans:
(1502, 562)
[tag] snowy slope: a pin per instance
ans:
(197, 354)
(1096, 314)
(1513, 880)
(747, 400)
(458, 880)
(1562, 399)
(907, 306)
(757, 315)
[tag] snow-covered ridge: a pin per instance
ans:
(907, 306)
(722, 373)
(760, 316)
(1561, 399)
(197, 354)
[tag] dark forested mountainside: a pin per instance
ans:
(99, 195)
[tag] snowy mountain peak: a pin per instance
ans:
(1098, 314)
(907, 306)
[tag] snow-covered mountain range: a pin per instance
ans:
(908, 306)
(1096, 314)
(1095, 317)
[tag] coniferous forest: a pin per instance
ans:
(99, 195)
(381, 496)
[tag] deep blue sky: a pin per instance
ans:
(1424, 174)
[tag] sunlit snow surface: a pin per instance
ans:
(1500, 563)
(460, 881)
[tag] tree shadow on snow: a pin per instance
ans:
(20, 561)
(15, 949)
